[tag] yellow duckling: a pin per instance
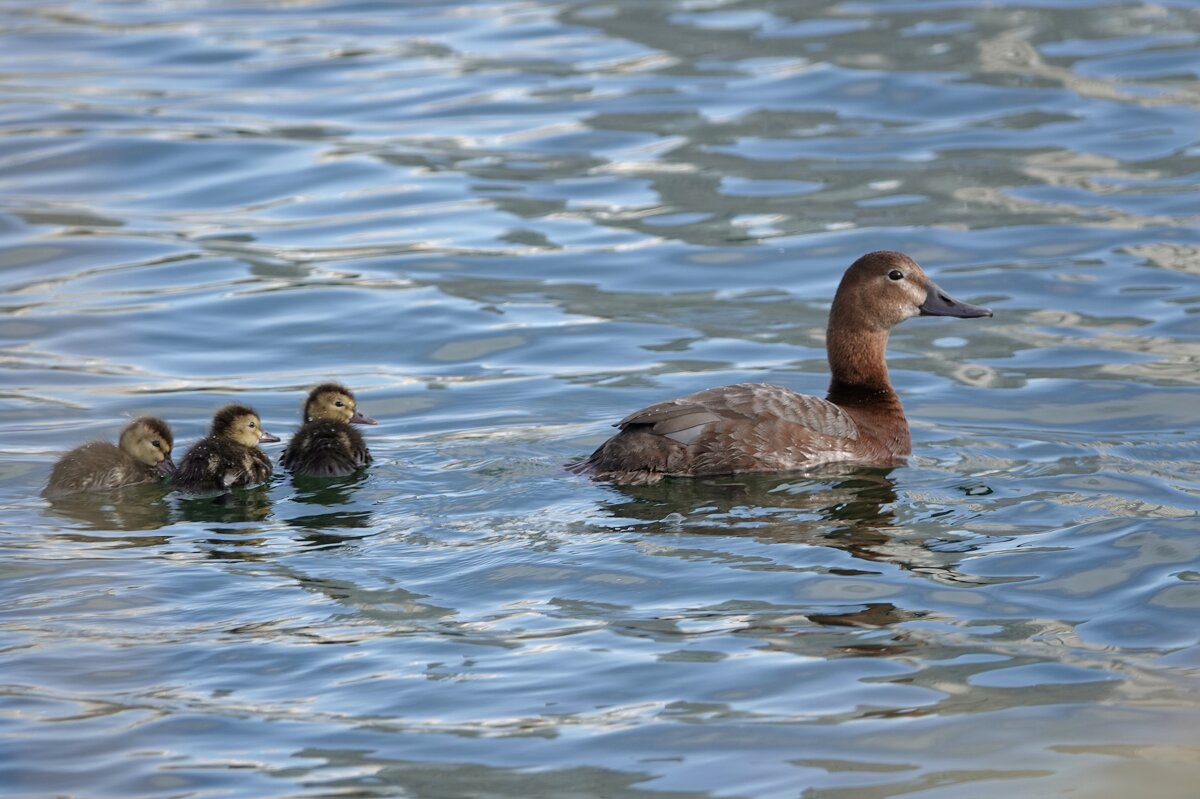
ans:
(228, 456)
(143, 456)
(326, 445)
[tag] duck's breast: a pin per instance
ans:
(256, 467)
(326, 449)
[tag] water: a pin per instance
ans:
(509, 224)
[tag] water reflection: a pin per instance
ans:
(237, 543)
(859, 501)
(240, 505)
(130, 509)
(395, 608)
(343, 522)
(331, 517)
(365, 772)
(855, 513)
(327, 490)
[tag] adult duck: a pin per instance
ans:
(758, 427)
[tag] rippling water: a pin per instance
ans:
(508, 224)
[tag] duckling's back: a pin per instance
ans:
(98, 466)
(326, 448)
(216, 463)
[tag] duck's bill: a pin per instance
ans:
(266, 438)
(361, 418)
(165, 467)
(939, 303)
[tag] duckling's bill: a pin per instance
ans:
(361, 418)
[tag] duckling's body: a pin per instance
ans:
(327, 445)
(215, 463)
(757, 427)
(143, 456)
(228, 457)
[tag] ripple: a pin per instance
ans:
(508, 224)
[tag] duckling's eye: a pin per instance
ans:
(340, 404)
(156, 443)
(252, 424)
(896, 274)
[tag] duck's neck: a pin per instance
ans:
(858, 365)
(860, 385)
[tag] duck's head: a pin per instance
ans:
(334, 401)
(149, 440)
(241, 425)
(882, 289)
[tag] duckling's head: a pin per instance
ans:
(334, 401)
(149, 440)
(882, 289)
(240, 424)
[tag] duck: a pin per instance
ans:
(326, 445)
(760, 427)
(142, 455)
(228, 457)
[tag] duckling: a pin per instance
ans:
(228, 456)
(143, 456)
(326, 445)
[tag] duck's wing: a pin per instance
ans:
(747, 427)
(198, 467)
(98, 466)
(685, 419)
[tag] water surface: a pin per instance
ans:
(509, 224)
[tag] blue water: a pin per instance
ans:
(507, 225)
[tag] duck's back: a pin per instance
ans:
(326, 448)
(747, 427)
(98, 466)
(215, 463)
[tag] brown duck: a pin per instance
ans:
(143, 455)
(326, 445)
(228, 456)
(757, 427)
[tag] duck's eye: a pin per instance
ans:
(896, 274)
(340, 404)
(252, 425)
(156, 443)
